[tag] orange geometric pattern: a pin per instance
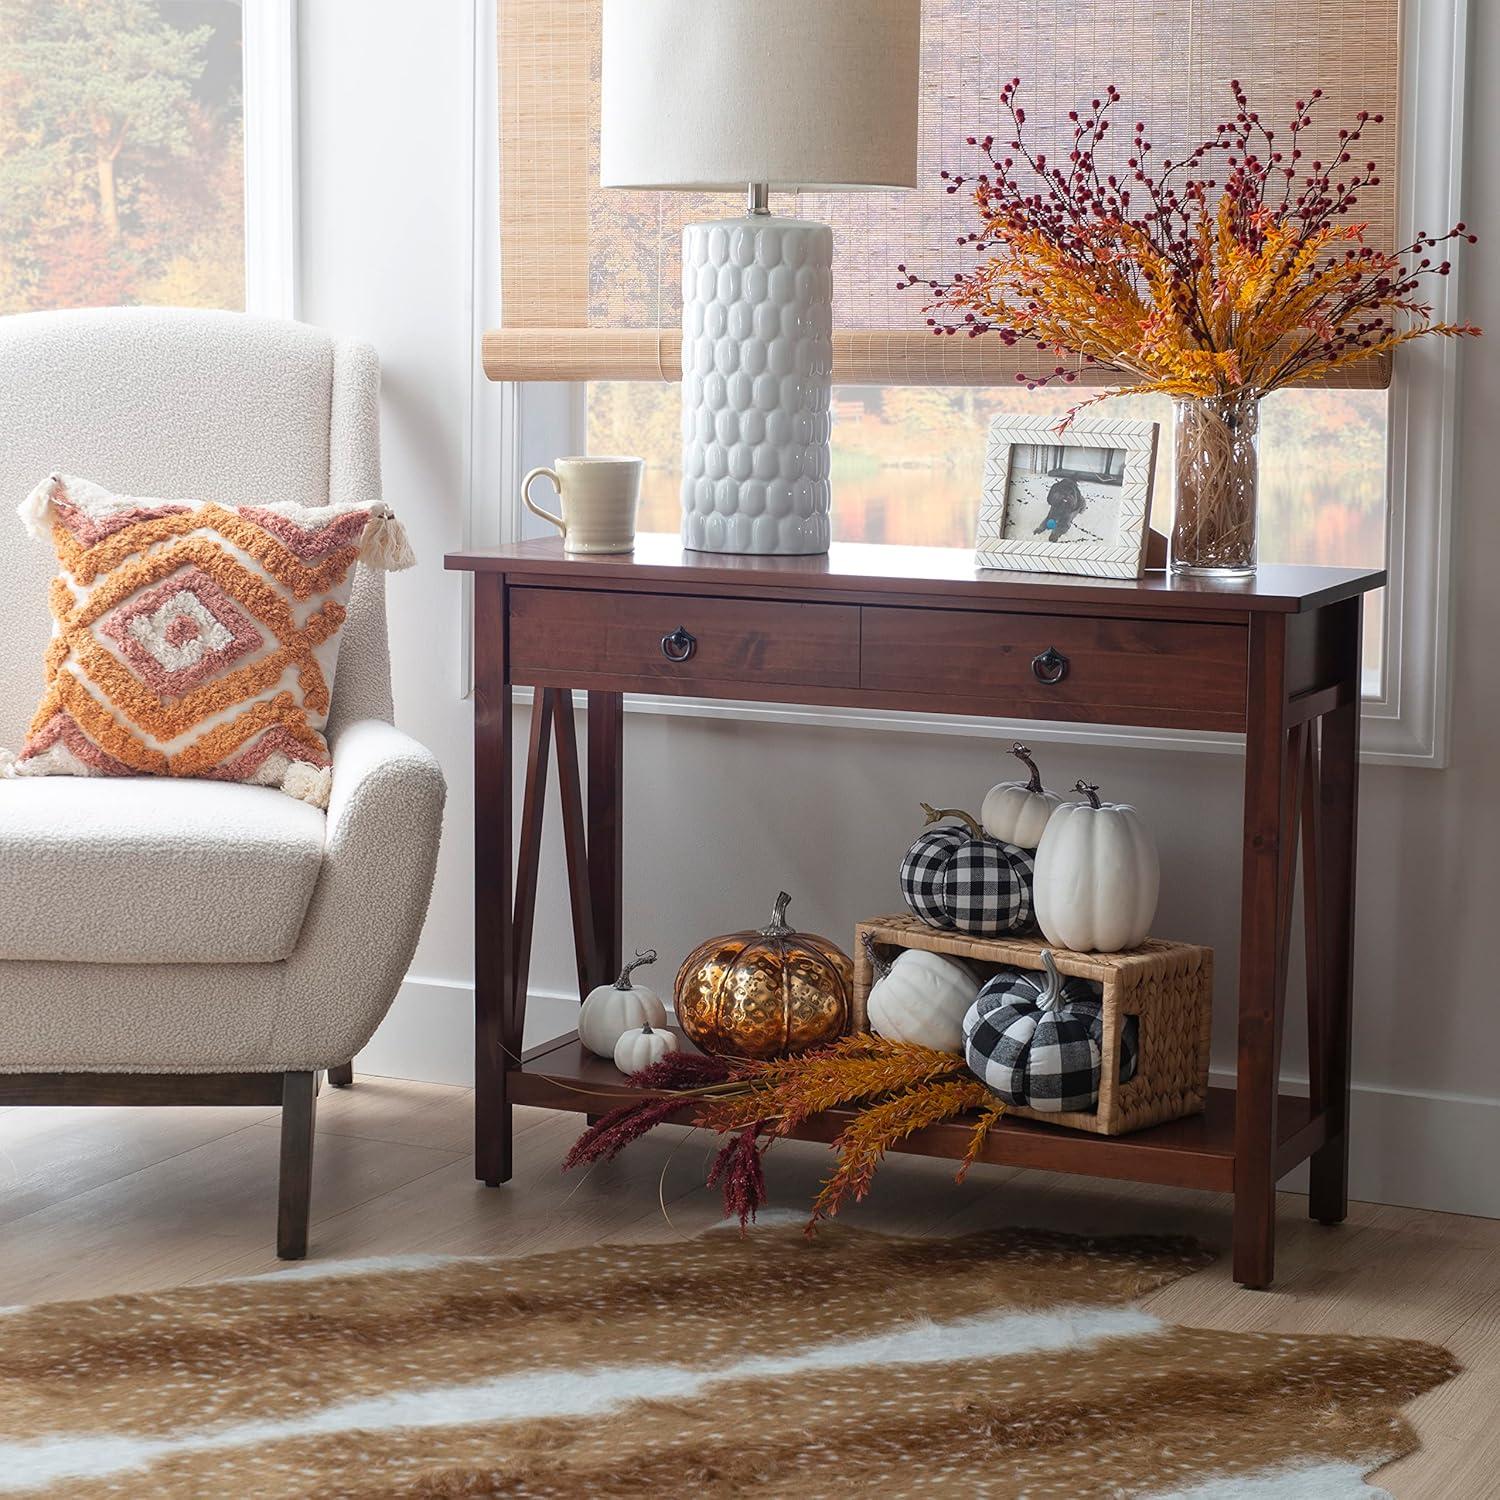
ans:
(88, 563)
(190, 638)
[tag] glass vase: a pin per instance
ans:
(1216, 440)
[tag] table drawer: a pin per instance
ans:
(679, 643)
(1164, 672)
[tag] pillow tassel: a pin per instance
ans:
(385, 545)
(35, 510)
(308, 783)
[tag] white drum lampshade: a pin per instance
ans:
(758, 95)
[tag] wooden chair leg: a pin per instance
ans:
(299, 1103)
(341, 1076)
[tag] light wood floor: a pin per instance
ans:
(110, 1200)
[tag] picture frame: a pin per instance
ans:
(1074, 502)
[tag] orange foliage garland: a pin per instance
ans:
(862, 1144)
(892, 1088)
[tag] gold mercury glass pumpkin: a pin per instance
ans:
(765, 993)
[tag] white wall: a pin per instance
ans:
(722, 813)
(388, 230)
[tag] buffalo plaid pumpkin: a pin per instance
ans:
(956, 877)
(1037, 1039)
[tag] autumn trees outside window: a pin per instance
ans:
(121, 154)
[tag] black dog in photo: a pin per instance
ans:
(1065, 502)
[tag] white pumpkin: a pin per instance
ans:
(920, 997)
(1097, 876)
(639, 1049)
(1017, 812)
(611, 1010)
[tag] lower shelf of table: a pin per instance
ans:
(1195, 1152)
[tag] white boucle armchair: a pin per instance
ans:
(187, 942)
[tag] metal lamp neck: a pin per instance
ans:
(758, 199)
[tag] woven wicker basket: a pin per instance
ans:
(1169, 987)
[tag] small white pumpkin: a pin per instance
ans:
(919, 997)
(613, 1009)
(1017, 812)
(1097, 876)
(639, 1049)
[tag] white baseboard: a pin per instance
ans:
(429, 1032)
(1416, 1149)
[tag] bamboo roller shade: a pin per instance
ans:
(590, 277)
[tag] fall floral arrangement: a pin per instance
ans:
(1215, 277)
(891, 1088)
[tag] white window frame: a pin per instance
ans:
(1407, 721)
(1406, 714)
(270, 89)
(268, 38)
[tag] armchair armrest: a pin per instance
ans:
(383, 781)
(385, 814)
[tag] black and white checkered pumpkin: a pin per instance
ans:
(1037, 1039)
(957, 877)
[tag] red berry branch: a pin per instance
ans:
(1237, 265)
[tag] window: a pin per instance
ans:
(907, 464)
(122, 160)
(1353, 476)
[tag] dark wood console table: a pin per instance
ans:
(919, 629)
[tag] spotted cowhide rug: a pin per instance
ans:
(1010, 1363)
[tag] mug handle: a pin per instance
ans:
(533, 507)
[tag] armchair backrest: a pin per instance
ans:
(178, 403)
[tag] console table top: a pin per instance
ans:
(661, 560)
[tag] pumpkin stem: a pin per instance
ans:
(778, 926)
(937, 814)
(1051, 997)
(1090, 791)
(646, 1029)
(1023, 754)
(642, 958)
(880, 966)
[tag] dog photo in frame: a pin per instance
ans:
(1071, 502)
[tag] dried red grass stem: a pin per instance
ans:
(737, 1170)
(606, 1138)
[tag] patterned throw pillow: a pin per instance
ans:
(195, 639)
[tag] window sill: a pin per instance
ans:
(1383, 741)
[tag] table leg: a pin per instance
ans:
(529, 844)
(1268, 865)
(575, 846)
(499, 1010)
(606, 832)
(1329, 1023)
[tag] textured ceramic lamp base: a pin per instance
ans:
(757, 352)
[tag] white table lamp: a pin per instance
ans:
(758, 95)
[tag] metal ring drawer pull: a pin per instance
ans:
(1049, 666)
(679, 645)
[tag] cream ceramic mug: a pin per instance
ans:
(599, 501)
